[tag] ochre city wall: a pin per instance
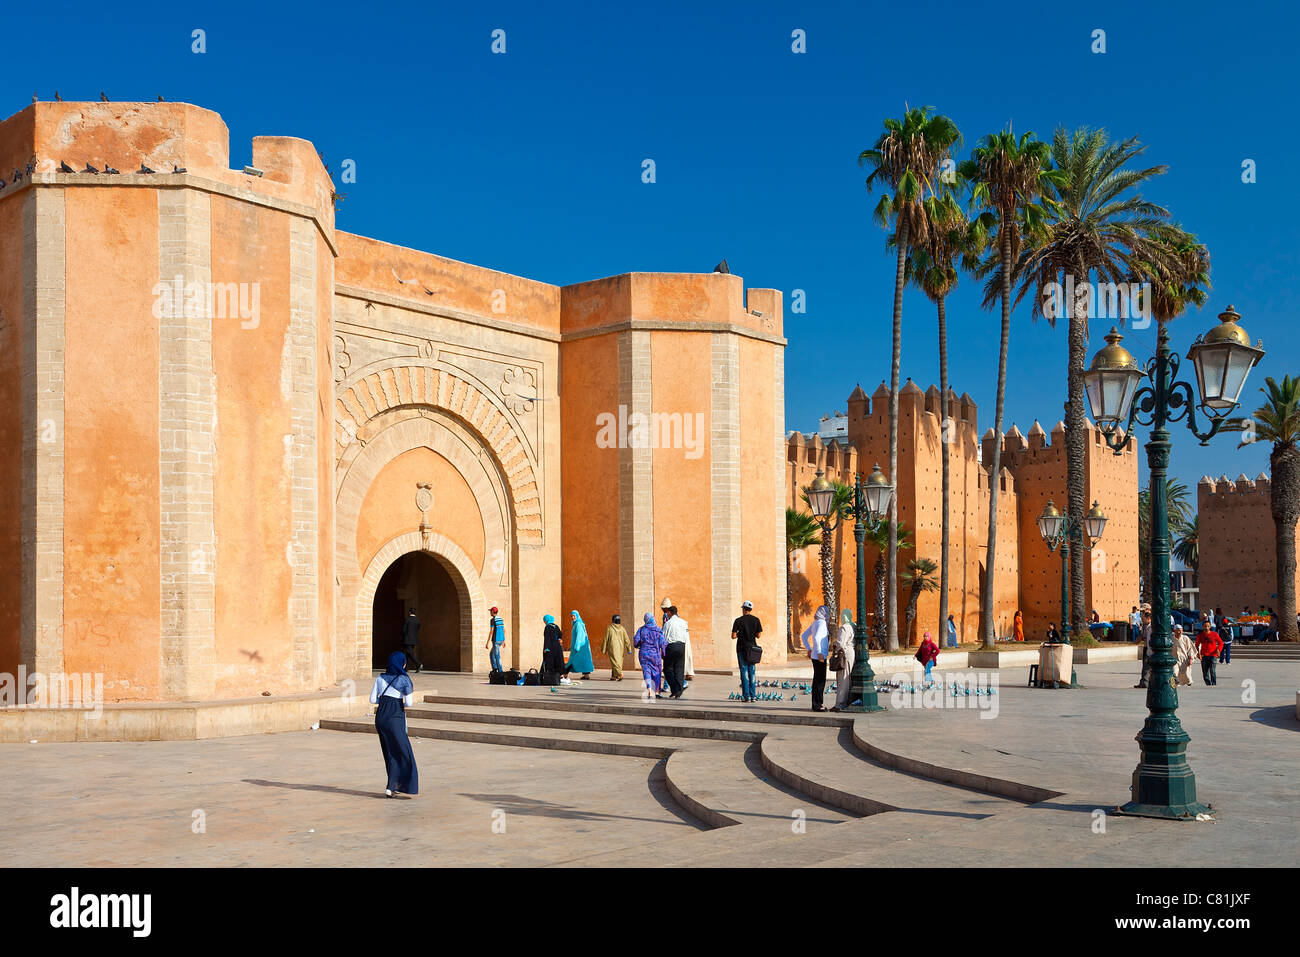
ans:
(1033, 470)
(1238, 544)
(13, 251)
(223, 494)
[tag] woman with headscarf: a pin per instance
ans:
(844, 674)
(580, 648)
(616, 645)
(552, 652)
(928, 654)
(392, 694)
(816, 639)
(649, 642)
(1019, 627)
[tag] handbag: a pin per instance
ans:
(511, 677)
(532, 678)
(837, 660)
(497, 677)
(753, 654)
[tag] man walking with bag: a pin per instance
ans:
(496, 638)
(411, 639)
(746, 630)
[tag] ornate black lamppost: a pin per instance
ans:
(1056, 530)
(1163, 783)
(870, 500)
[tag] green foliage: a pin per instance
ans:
(801, 530)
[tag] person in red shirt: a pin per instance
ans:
(1208, 646)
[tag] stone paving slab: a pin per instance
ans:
(312, 798)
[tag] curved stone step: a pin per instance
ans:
(576, 721)
(487, 733)
(848, 780)
(955, 768)
(573, 699)
(726, 785)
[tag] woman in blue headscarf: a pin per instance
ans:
(649, 642)
(552, 651)
(393, 693)
(580, 648)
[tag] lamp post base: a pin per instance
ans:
(1163, 783)
(869, 705)
(1181, 812)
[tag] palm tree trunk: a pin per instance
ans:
(789, 605)
(1284, 471)
(910, 614)
(891, 570)
(1076, 447)
(995, 465)
(828, 568)
(948, 436)
(881, 629)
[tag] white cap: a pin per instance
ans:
(747, 604)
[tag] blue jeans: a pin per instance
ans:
(1226, 655)
(746, 677)
(496, 655)
(929, 666)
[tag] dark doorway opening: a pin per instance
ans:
(418, 580)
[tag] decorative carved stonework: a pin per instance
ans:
(342, 359)
(519, 389)
(424, 502)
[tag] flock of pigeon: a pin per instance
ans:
(65, 168)
(795, 686)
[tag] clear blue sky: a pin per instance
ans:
(530, 162)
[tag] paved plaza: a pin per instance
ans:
(592, 775)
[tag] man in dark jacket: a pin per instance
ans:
(411, 639)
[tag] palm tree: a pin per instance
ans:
(1278, 421)
(1012, 180)
(1179, 510)
(1099, 225)
(840, 506)
(1178, 274)
(905, 160)
(920, 578)
(800, 532)
(954, 241)
(1187, 543)
(878, 537)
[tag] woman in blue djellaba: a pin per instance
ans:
(580, 648)
(392, 694)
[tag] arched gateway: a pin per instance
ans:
(431, 483)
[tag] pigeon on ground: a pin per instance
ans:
(178, 169)
(102, 97)
(34, 100)
(110, 170)
(90, 169)
(144, 169)
(65, 168)
(57, 98)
